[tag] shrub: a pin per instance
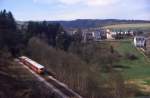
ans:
(131, 56)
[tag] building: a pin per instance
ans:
(148, 44)
(71, 31)
(118, 34)
(88, 36)
(93, 35)
(110, 35)
(139, 41)
(97, 36)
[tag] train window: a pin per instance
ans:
(42, 69)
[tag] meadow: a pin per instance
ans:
(135, 69)
(125, 26)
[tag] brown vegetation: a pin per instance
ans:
(83, 72)
(17, 82)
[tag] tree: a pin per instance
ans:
(77, 37)
(53, 34)
(9, 35)
(63, 41)
(76, 43)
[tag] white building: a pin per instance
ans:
(88, 36)
(111, 35)
(139, 41)
(97, 36)
(92, 36)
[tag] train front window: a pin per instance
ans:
(42, 69)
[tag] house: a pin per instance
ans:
(148, 44)
(110, 35)
(119, 34)
(88, 36)
(97, 36)
(131, 33)
(93, 35)
(71, 31)
(139, 41)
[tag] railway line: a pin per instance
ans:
(60, 89)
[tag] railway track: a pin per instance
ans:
(62, 90)
(62, 87)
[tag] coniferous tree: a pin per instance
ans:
(9, 35)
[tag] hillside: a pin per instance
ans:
(119, 26)
(92, 23)
(86, 68)
(144, 27)
(139, 26)
(18, 82)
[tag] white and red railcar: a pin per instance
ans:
(32, 64)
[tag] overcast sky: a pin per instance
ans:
(77, 9)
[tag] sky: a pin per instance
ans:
(77, 9)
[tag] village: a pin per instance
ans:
(74, 48)
(140, 39)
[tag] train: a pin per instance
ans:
(38, 68)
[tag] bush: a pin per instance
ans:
(81, 72)
(148, 53)
(131, 56)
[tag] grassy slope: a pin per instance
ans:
(139, 68)
(129, 26)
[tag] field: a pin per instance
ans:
(136, 71)
(139, 68)
(144, 26)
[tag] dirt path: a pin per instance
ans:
(141, 84)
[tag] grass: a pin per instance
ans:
(147, 82)
(129, 26)
(138, 69)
